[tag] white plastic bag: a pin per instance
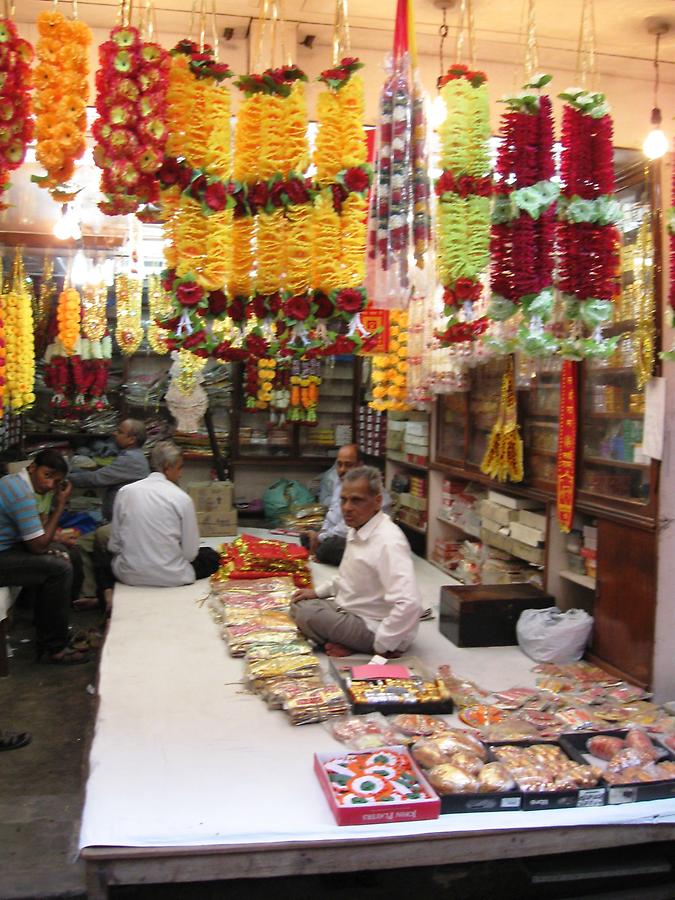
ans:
(549, 635)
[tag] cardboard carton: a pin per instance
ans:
(217, 523)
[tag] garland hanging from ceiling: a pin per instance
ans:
(17, 126)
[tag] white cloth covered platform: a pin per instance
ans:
(183, 756)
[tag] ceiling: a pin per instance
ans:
(622, 38)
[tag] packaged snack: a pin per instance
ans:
(449, 779)
(495, 777)
(416, 724)
(604, 746)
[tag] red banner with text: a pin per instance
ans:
(567, 443)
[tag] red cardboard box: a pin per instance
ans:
(378, 813)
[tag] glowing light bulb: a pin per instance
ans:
(80, 271)
(61, 229)
(655, 144)
(438, 112)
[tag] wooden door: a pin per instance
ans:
(625, 604)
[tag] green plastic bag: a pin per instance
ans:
(279, 497)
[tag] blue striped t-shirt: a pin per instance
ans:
(19, 519)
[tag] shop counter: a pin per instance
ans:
(192, 778)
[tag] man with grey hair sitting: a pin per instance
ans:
(374, 603)
(154, 539)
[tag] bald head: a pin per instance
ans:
(348, 457)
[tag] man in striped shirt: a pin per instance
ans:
(25, 557)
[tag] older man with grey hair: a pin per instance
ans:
(154, 539)
(373, 604)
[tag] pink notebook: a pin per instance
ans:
(372, 672)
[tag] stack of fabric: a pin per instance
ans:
(251, 557)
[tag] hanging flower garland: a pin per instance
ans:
(670, 354)
(68, 319)
(523, 217)
(587, 233)
(131, 130)
(197, 206)
(305, 380)
(16, 122)
(79, 381)
(259, 376)
(340, 208)
(3, 345)
(19, 342)
(390, 370)
(503, 458)
(94, 311)
(159, 307)
(43, 307)
(463, 211)
(128, 304)
(60, 100)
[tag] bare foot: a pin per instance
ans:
(337, 650)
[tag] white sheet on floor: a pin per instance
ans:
(184, 756)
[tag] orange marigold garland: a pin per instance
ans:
(131, 129)
(390, 370)
(128, 301)
(61, 94)
(68, 319)
(16, 122)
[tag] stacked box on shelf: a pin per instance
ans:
(416, 441)
(516, 526)
(372, 431)
(460, 504)
(395, 434)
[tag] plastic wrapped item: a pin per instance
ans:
(316, 704)
(548, 635)
(365, 732)
(514, 728)
(265, 650)
(292, 665)
(442, 748)
(418, 725)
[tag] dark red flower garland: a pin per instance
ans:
(523, 234)
(16, 122)
(588, 239)
(131, 130)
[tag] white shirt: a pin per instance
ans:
(154, 534)
(376, 582)
(334, 524)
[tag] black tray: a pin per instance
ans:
(569, 799)
(575, 746)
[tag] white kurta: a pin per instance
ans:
(154, 535)
(376, 582)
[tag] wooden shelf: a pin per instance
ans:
(447, 572)
(618, 463)
(414, 528)
(615, 417)
(286, 462)
(400, 458)
(537, 452)
(466, 531)
(610, 370)
(584, 580)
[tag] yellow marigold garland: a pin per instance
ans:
(19, 346)
(68, 319)
(390, 370)
(128, 301)
(3, 349)
(159, 307)
(61, 94)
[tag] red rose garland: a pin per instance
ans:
(588, 237)
(131, 129)
(16, 122)
(523, 217)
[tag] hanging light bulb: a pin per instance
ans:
(656, 143)
(80, 272)
(61, 228)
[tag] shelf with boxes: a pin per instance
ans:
(480, 536)
(407, 457)
(371, 431)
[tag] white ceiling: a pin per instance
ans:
(623, 42)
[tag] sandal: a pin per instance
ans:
(84, 603)
(12, 740)
(87, 639)
(69, 656)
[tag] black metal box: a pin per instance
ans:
(485, 615)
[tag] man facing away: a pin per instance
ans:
(26, 559)
(374, 603)
(154, 537)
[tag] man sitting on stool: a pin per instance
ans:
(154, 537)
(373, 604)
(328, 544)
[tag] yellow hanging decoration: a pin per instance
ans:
(128, 302)
(68, 319)
(94, 311)
(390, 370)
(19, 346)
(3, 344)
(159, 307)
(503, 458)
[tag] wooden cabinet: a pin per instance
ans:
(624, 609)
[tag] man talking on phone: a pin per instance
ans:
(25, 558)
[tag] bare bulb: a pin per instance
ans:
(655, 144)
